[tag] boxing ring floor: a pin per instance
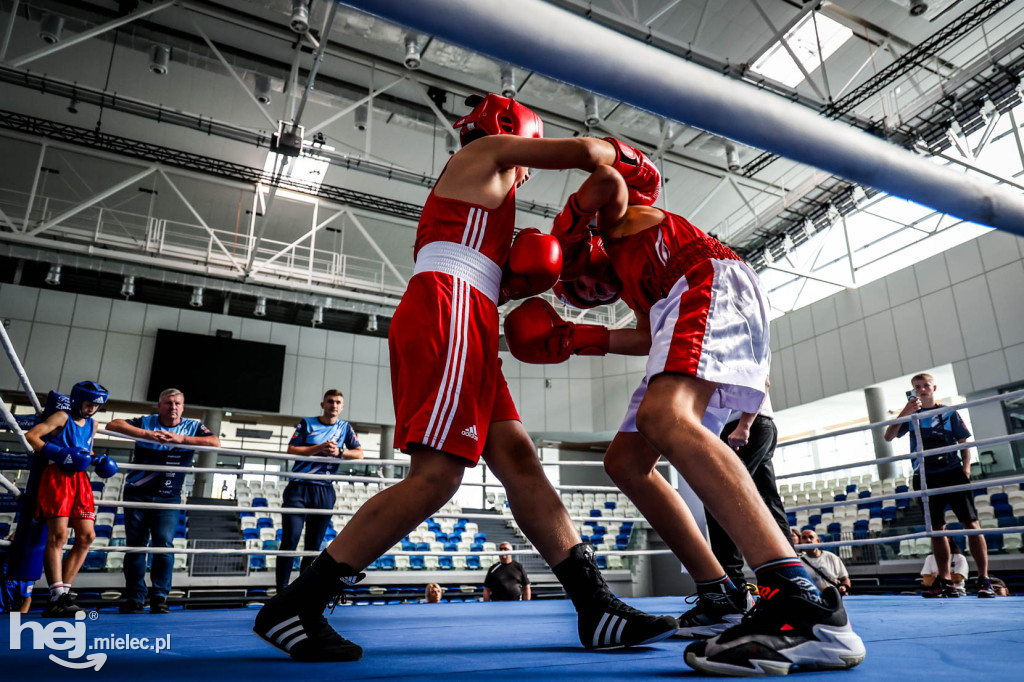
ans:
(907, 637)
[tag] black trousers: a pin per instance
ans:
(307, 495)
(756, 456)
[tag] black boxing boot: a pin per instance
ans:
(293, 621)
(604, 621)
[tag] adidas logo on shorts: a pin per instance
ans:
(470, 432)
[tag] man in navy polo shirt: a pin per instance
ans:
(172, 431)
(947, 469)
(323, 436)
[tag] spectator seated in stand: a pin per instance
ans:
(958, 570)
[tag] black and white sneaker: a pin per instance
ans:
(713, 613)
(293, 621)
(610, 623)
(777, 635)
(62, 607)
(603, 620)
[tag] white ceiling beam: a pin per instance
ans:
(779, 33)
(808, 275)
(373, 244)
(661, 12)
(75, 210)
(446, 125)
(9, 30)
(307, 235)
(789, 49)
(195, 214)
(572, 49)
(352, 107)
(91, 33)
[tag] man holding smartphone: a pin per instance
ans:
(948, 469)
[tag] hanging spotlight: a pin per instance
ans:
(591, 116)
(300, 16)
(261, 307)
(808, 227)
(371, 324)
(787, 243)
(262, 89)
(128, 286)
(197, 298)
(73, 106)
(50, 28)
(732, 157)
(318, 315)
(451, 146)
(918, 7)
(159, 58)
(360, 118)
(53, 276)
(508, 82)
(413, 60)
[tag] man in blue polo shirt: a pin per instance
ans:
(941, 471)
(172, 431)
(323, 436)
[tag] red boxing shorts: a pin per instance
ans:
(63, 494)
(446, 377)
(712, 325)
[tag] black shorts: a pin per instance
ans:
(962, 503)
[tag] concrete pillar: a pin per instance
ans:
(387, 449)
(203, 486)
(875, 399)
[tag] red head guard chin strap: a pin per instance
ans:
(497, 115)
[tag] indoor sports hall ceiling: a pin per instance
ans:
(137, 135)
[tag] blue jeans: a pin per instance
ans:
(140, 527)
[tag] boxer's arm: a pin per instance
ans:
(636, 341)
(54, 422)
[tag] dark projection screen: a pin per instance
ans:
(218, 372)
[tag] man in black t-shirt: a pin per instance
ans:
(506, 580)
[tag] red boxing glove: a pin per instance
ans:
(572, 229)
(537, 335)
(641, 176)
(534, 263)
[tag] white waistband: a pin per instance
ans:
(460, 261)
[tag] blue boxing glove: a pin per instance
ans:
(71, 460)
(104, 466)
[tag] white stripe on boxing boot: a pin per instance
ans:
(280, 626)
(603, 635)
(296, 632)
(618, 631)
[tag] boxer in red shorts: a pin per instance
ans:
(702, 321)
(452, 405)
(65, 493)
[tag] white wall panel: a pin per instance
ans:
(830, 360)
(874, 297)
(579, 366)
(932, 274)
(510, 366)
(963, 261)
(143, 368)
(823, 315)
(288, 385)
(998, 248)
(557, 405)
(363, 405)
(902, 286)
(309, 382)
(962, 374)
(127, 317)
(18, 303)
(286, 335)
(912, 336)
(780, 399)
(529, 370)
(788, 358)
(943, 326)
(977, 319)
(195, 322)
(159, 317)
(83, 356)
(557, 370)
(848, 308)
(117, 369)
(856, 356)
(801, 324)
(1005, 288)
(366, 350)
(55, 307)
(808, 371)
(1015, 362)
(616, 398)
(44, 357)
(385, 398)
(989, 369)
(531, 406)
(781, 332)
(885, 356)
(92, 312)
(312, 342)
(339, 346)
(227, 323)
(338, 375)
(581, 416)
(255, 330)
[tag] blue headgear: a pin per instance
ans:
(87, 390)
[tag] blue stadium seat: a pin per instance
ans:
(626, 527)
(433, 526)
(387, 562)
(104, 531)
(265, 522)
(95, 561)
(271, 544)
(250, 534)
(181, 532)
(807, 527)
(602, 561)
(422, 546)
(814, 519)
(280, 534)
(610, 505)
(851, 488)
(828, 510)
(999, 498)
(584, 538)
(408, 546)
(875, 512)
(445, 563)
(600, 530)
(840, 497)
(480, 537)
(476, 547)
(1007, 521)
(594, 513)
(460, 525)
(257, 562)
(416, 562)
(888, 513)
(259, 502)
(976, 491)
(441, 537)
(242, 515)
(473, 562)
(119, 519)
(451, 547)
(5, 529)
(1002, 510)
(835, 527)
(456, 535)
(860, 525)
(97, 486)
(596, 540)
(994, 542)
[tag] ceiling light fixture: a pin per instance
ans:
(128, 286)
(159, 58)
(413, 59)
(261, 307)
(591, 115)
(508, 82)
(300, 16)
(50, 28)
(197, 298)
(371, 324)
(53, 276)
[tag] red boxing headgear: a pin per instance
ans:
(497, 115)
(603, 287)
